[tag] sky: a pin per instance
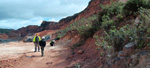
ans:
(15, 14)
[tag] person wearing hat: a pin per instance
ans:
(36, 40)
(42, 43)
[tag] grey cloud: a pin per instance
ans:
(22, 10)
(27, 9)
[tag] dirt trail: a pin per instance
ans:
(21, 55)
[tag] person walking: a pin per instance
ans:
(58, 37)
(36, 40)
(42, 43)
(52, 43)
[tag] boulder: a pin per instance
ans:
(28, 39)
(129, 48)
(119, 62)
(80, 51)
(143, 56)
(120, 54)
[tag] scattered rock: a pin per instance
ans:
(133, 60)
(129, 48)
(28, 39)
(28, 56)
(120, 54)
(148, 66)
(80, 51)
(119, 62)
(143, 56)
(49, 63)
(71, 56)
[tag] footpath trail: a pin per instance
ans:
(22, 55)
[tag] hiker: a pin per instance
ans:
(36, 40)
(58, 37)
(42, 43)
(52, 43)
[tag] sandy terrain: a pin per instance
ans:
(14, 49)
(22, 55)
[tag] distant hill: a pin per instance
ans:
(5, 30)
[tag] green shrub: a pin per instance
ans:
(84, 27)
(110, 10)
(109, 18)
(107, 22)
(116, 37)
(102, 54)
(133, 6)
(138, 32)
(108, 13)
(120, 17)
(90, 31)
(76, 45)
(103, 45)
(77, 65)
(5, 30)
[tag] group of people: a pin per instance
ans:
(41, 43)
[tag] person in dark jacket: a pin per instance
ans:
(58, 37)
(52, 43)
(42, 43)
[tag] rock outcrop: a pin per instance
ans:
(46, 25)
(128, 58)
(3, 36)
(92, 9)
(24, 31)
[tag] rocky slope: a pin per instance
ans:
(26, 30)
(85, 52)
(3, 36)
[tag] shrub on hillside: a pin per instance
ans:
(138, 32)
(133, 6)
(5, 30)
(110, 10)
(111, 15)
(83, 26)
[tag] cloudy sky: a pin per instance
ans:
(15, 14)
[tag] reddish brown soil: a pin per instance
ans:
(3, 36)
(47, 32)
(59, 56)
(21, 57)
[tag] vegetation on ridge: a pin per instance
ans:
(118, 21)
(5, 30)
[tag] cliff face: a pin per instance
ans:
(3, 36)
(47, 26)
(92, 8)
(25, 30)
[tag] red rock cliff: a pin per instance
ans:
(25, 30)
(92, 8)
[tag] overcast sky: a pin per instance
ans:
(20, 13)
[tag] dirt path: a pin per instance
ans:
(21, 55)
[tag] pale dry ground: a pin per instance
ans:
(23, 53)
(14, 49)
